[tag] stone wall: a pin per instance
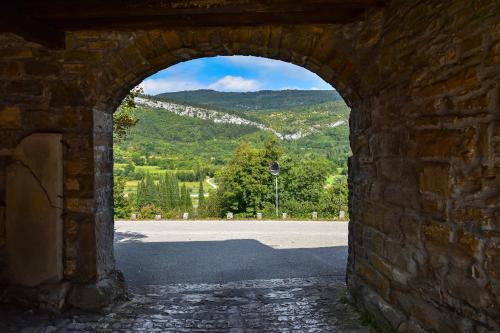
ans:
(422, 80)
(425, 175)
(42, 91)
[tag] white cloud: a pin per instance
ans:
(227, 83)
(253, 62)
(235, 83)
(158, 86)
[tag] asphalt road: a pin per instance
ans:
(163, 252)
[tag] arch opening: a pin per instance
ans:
(218, 123)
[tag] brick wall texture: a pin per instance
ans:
(422, 79)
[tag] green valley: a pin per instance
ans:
(193, 136)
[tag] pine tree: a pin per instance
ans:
(174, 192)
(201, 199)
(163, 193)
(186, 203)
(149, 189)
(121, 204)
(141, 194)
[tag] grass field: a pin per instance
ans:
(193, 187)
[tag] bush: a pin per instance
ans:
(149, 211)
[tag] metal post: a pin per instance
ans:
(276, 178)
(274, 169)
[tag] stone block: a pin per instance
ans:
(10, 117)
(52, 298)
(492, 263)
(467, 242)
(27, 88)
(97, 295)
(33, 211)
(15, 53)
(443, 143)
(72, 184)
(40, 68)
(435, 178)
(9, 70)
(373, 278)
(437, 233)
(66, 94)
(80, 205)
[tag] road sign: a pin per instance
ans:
(274, 168)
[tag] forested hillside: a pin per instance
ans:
(193, 135)
(258, 100)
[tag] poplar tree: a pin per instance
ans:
(186, 202)
(201, 199)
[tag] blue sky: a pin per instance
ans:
(233, 73)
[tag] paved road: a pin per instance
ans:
(162, 252)
(219, 277)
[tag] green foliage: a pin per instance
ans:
(185, 200)
(165, 151)
(149, 211)
(245, 183)
(121, 204)
(123, 118)
(163, 196)
(246, 186)
(259, 100)
(170, 141)
(335, 198)
(302, 182)
(201, 200)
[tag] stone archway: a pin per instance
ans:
(422, 81)
(150, 52)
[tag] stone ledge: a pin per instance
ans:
(384, 315)
(55, 298)
(46, 297)
(100, 294)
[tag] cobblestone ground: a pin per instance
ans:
(281, 305)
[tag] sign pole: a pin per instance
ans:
(274, 169)
(276, 178)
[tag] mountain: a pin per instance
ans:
(183, 130)
(258, 100)
(304, 123)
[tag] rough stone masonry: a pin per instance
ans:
(422, 79)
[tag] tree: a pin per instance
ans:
(128, 170)
(123, 118)
(272, 149)
(121, 204)
(201, 199)
(335, 198)
(246, 187)
(186, 203)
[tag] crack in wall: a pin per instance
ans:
(38, 180)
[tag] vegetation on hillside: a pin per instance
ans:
(258, 100)
(167, 148)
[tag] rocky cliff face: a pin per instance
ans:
(227, 118)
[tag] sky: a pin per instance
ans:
(233, 73)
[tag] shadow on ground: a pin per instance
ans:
(154, 263)
(239, 285)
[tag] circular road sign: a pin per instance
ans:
(274, 168)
